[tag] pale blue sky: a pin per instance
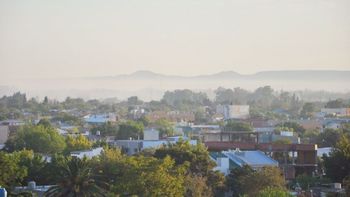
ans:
(187, 37)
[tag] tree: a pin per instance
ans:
(107, 164)
(11, 173)
(337, 164)
(307, 110)
(328, 138)
(338, 103)
(237, 126)
(182, 151)
(196, 186)
(306, 181)
(233, 180)
(134, 100)
(262, 97)
(35, 165)
(106, 129)
(274, 192)
(45, 123)
(250, 182)
(292, 125)
(77, 143)
(197, 157)
(130, 129)
(184, 99)
(224, 96)
(40, 139)
(46, 100)
(240, 96)
(67, 118)
(165, 127)
(77, 179)
(148, 176)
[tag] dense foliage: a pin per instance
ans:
(40, 139)
(246, 181)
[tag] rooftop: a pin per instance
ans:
(251, 158)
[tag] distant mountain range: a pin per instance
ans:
(151, 86)
(231, 75)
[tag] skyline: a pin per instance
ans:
(187, 38)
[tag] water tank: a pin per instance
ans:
(337, 185)
(3, 192)
(31, 185)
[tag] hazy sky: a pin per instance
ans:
(188, 37)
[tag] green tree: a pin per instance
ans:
(237, 126)
(165, 127)
(197, 157)
(67, 118)
(224, 96)
(77, 179)
(233, 180)
(106, 166)
(328, 138)
(45, 122)
(306, 181)
(134, 100)
(106, 129)
(11, 172)
(274, 192)
(338, 103)
(184, 98)
(250, 182)
(40, 139)
(130, 129)
(77, 143)
(307, 110)
(35, 165)
(292, 125)
(196, 186)
(262, 97)
(148, 176)
(337, 164)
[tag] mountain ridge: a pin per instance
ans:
(270, 74)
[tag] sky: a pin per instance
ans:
(52, 39)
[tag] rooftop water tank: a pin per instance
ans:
(31, 185)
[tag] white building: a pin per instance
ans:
(336, 111)
(131, 147)
(151, 134)
(233, 111)
(4, 134)
(87, 153)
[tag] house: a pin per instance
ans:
(339, 112)
(131, 147)
(151, 134)
(230, 159)
(302, 158)
(87, 153)
(100, 118)
(322, 151)
(263, 125)
(33, 188)
(332, 125)
(136, 113)
(233, 111)
(12, 122)
(172, 116)
(311, 124)
(4, 135)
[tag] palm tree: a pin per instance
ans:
(77, 180)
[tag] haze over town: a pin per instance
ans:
(179, 98)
